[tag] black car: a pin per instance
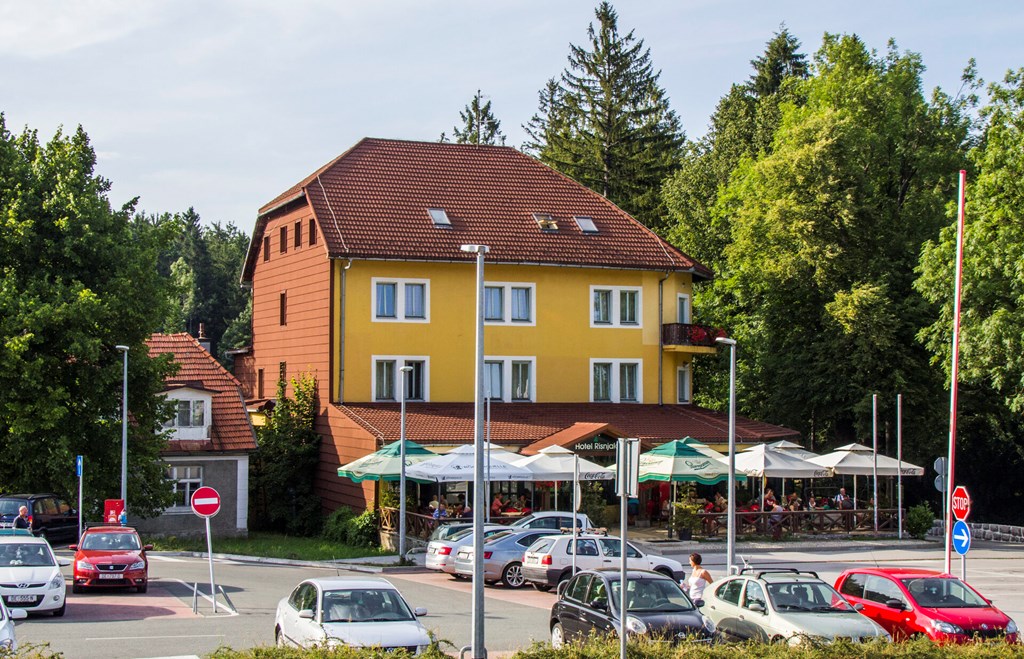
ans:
(656, 607)
(51, 516)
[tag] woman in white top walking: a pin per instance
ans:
(699, 579)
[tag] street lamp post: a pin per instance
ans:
(405, 370)
(124, 429)
(730, 549)
(479, 503)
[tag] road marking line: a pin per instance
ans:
(167, 559)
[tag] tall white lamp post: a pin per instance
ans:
(401, 456)
(730, 542)
(479, 503)
(124, 428)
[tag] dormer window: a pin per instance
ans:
(586, 224)
(440, 217)
(191, 418)
(545, 221)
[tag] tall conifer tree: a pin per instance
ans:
(479, 126)
(606, 122)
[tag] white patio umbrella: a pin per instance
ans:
(857, 460)
(556, 463)
(763, 462)
(457, 465)
(794, 449)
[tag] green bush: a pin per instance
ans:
(593, 503)
(363, 531)
(337, 524)
(919, 520)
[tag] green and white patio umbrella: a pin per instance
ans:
(684, 460)
(385, 464)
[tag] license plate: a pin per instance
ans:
(463, 554)
(21, 598)
(111, 576)
(6, 525)
(432, 550)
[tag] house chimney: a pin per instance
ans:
(203, 341)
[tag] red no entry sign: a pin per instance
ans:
(206, 502)
(961, 505)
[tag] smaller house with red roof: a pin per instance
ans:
(211, 438)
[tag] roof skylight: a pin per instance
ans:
(586, 224)
(545, 221)
(439, 216)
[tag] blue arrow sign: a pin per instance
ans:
(78, 466)
(961, 537)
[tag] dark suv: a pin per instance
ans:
(51, 517)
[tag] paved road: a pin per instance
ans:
(160, 623)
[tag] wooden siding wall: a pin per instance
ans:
(244, 370)
(343, 442)
(303, 273)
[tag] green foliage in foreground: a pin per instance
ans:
(272, 545)
(608, 648)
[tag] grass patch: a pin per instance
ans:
(271, 545)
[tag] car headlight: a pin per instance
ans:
(636, 625)
(946, 627)
(7, 644)
(85, 565)
(137, 565)
(57, 581)
(709, 624)
(1011, 627)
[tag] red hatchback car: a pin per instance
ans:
(911, 602)
(110, 556)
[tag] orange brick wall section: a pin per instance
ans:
(345, 442)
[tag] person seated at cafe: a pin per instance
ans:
(465, 513)
(793, 502)
(769, 499)
(433, 504)
(497, 505)
(721, 504)
(442, 510)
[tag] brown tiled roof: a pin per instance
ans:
(230, 427)
(371, 202)
(518, 425)
(574, 433)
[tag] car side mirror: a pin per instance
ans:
(858, 607)
(894, 604)
(307, 614)
(73, 547)
(757, 607)
(147, 547)
(600, 605)
(63, 562)
(18, 614)
(420, 611)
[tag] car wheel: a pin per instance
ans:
(512, 575)
(278, 638)
(542, 587)
(143, 588)
(557, 636)
(57, 613)
(75, 588)
(565, 576)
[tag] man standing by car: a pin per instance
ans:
(22, 521)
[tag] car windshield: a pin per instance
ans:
(365, 605)
(807, 596)
(943, 593)
(110, 542)
(25, 554)
(648, 595)
(500, 535)
(443, 531)
(10, 506)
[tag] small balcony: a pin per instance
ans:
(693, 339)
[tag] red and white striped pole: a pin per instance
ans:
(954, 373)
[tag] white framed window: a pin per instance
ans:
(616, 381)
(510, 303)
(387, 377)
(185, 479)
(616, 306)
(683, 311)
(189, 414)
(684, 384)
(510, 379)
(400, 300)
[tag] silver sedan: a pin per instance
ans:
(441, 553)
(503, 556)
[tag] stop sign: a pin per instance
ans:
(961, 505)
(206, 502)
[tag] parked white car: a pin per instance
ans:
(30, 576)
(337, 611)
(554, 520)
(8, 643)
(548, 562)
(441, 553)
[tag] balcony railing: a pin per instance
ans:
(685, 334)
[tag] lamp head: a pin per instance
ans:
(726, 341)
(476, 249)
(122, 348)
(406, 369)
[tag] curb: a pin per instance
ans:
(341, 563)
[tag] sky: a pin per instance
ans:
(221, 105)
